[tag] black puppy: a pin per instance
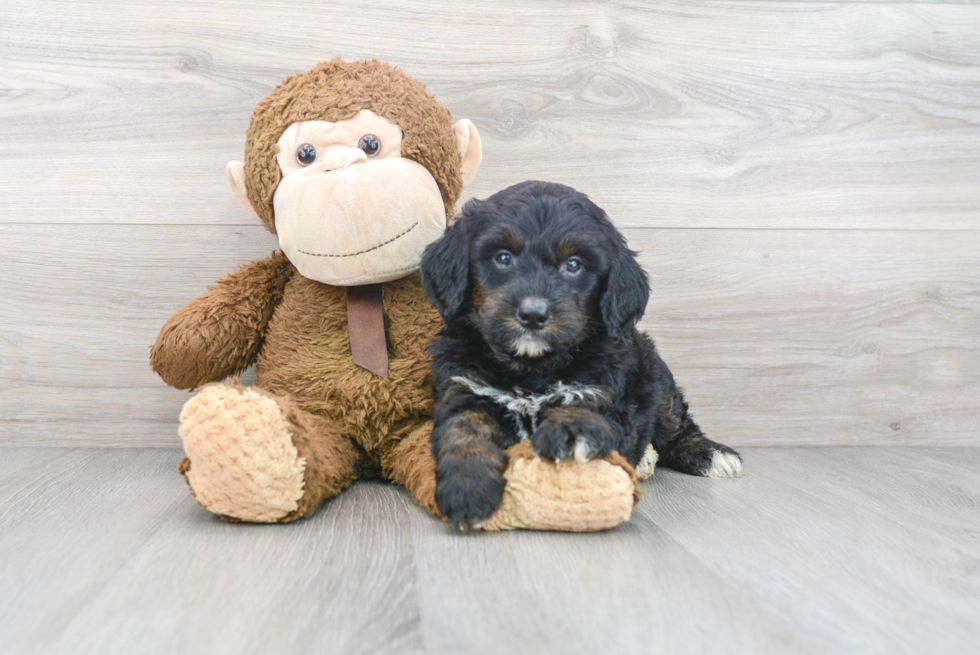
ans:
(540, 295)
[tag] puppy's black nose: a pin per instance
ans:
(533, 313)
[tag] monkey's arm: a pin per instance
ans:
(219, 333)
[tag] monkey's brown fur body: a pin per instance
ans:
(348, 422)
(315, 421)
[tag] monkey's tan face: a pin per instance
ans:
(349, 208)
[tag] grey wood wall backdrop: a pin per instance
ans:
(801, 178)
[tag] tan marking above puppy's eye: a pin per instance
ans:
(566, 248)
(306, 154)
(511, 240)
(370, 145)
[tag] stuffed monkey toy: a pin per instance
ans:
(355, 167)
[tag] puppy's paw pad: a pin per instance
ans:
(724, 465)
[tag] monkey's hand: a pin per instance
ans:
(219, 333)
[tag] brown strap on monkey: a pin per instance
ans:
(366, 328)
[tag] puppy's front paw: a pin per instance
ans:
(469, 469)
(573, 433)
(468, 491)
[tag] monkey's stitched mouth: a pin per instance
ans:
(361, 252)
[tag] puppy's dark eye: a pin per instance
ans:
(574, 266)
(369, 144)
(306, 154)
(503, 259)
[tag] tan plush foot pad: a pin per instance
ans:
(243, 463)
(567, 496)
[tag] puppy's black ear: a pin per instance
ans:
(627, 291)
(446, 270)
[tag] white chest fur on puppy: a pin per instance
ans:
(525, 406)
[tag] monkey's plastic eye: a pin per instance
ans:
(370, 145)
(306, 154)
(573, 266)
(503, 259)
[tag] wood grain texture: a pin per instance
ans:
(71, 544)
(779, 336)
(802, 178)
(829, 550)
(80, 314)
(820, 337)
(336, 585)
(619, 592)
(675, 114)
(863, 531)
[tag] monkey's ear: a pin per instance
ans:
(470, 149)
(446, 270)
(627, 291)
(236, 180)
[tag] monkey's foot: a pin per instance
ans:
(241, 461)
(567, 496)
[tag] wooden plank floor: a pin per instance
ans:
(833, 550)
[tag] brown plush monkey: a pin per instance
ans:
(356, 167)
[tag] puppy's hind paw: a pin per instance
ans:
(699, 455)
(724, 465)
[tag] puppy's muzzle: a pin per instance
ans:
(533, 313)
